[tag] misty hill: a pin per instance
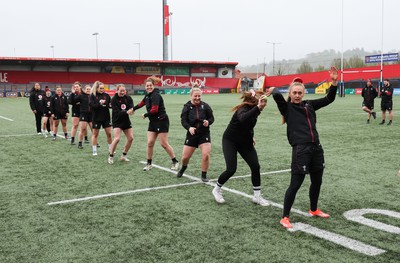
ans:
(314, 62)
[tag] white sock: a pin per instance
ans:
(257, 193)
(94, 147)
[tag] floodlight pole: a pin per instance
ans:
(273, 56)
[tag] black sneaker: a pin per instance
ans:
(367, 121)
(72, 142)
(382, 122)
(390, 122)
(204, 178)
(373, 114)
(80, 146)
(179, 174)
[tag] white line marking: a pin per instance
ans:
(357, 215)
(6, 118)
(235, 191)
(119, 193)
(338, 239)
(18, 135)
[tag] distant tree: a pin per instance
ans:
(319, 68)
(337, 63)
(356, 62)
(280, 70)
(305, 67)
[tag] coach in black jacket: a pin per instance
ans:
(307, 152)
(36, 96)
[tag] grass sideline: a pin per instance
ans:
(185, 224)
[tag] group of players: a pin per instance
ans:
(369, 93)
(91, 105)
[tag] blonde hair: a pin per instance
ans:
(95, 86)
(120, 86)
(195, 88)
(292, 85)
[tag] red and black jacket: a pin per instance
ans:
(301, 118)
(154, 106)
(35, 100)
(387, 93)
(46, 104)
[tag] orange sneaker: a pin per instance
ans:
(286, 222)
(319, 213)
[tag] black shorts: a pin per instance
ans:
(122, 126)
(99, 124)
(76, 114)
(386, 106)
(369, 105)
(307, 158)
(85, 117)
(159, 125)
(58, 116)
(197, 139)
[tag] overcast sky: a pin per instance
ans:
(202, 30)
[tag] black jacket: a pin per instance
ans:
(120, 106)
(84, 101)
(386, 93)
(46, 104)
(154, 106)
(35, 100)
(76, 109)
(59, 105)
(101, 112)
(369, 94)
(240, 128)
(194, 115)
(301, 118)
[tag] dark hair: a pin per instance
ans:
(249, 98)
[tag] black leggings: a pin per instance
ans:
(248, 153)
(38, 118)
(295, 182)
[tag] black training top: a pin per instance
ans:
(194, 115)
(100, 112)
(301, 118)
(369, 93)
(35, 100)
(387, 93)
(59, 104)
(120, 106)
(240, 128)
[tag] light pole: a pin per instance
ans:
(170, 28)
(52, 47)
(273, 56)
(139, 48)
(97, 48)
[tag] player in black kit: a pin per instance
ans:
(238, 138)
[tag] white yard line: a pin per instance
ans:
(119, 193)
(6, 118)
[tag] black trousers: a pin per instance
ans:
(38, 118)
(248, 153)
(306, 158)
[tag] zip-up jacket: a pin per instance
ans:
(46, 104)
(154, 106)
(194, 115)
(240, 128)
(35, 100)
(84, 102)
(120, 106)
(369, 93)
(59, 105)
(76, 105)
(101, 112)
(387, 93)
(301, 118)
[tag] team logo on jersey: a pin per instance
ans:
(40, 97)
(123, 106)
(48, 104)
